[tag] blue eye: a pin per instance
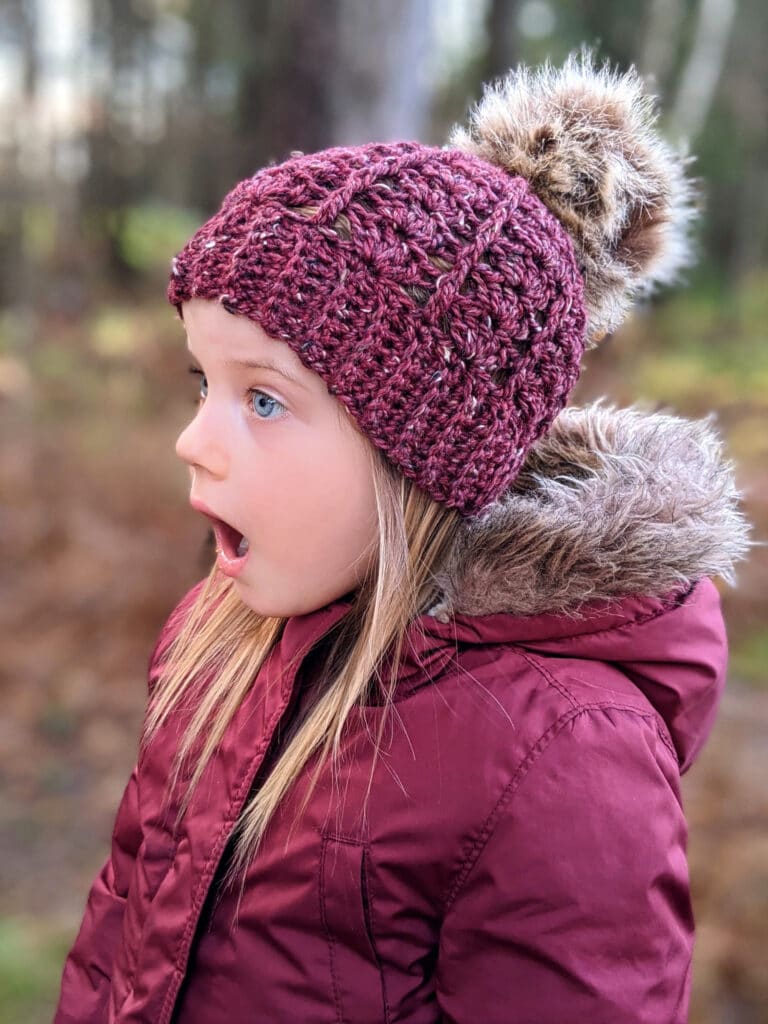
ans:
(203, 383)
(262, 403)
(270, 402)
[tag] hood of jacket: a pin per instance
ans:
(604, 548)
(611, 502)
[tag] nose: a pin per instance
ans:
(201, 446)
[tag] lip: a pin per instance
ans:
(199, 506)
(230, 566)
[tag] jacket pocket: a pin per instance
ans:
(346, 908)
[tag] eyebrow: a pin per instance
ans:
(253, 364)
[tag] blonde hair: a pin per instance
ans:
(224, 643)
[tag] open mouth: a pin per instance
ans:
(232, 547)
(229, 540)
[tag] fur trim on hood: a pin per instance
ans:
(610, 502)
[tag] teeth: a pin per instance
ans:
(242, 547)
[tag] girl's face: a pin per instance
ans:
(278, 458)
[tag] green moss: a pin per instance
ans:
(150, 234)
(748, 658)
(31, 960)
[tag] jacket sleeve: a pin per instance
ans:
(87, 972)
(574, 903)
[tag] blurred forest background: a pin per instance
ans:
(122, 125)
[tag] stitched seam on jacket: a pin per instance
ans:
(366, 895)
(562, 688)
(170, 856)
(478, 844)
(667, 741)
(328, 935)
(143, 754)
(131, 976)
(182, 946)
(369, 914)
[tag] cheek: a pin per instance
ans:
(322, 501)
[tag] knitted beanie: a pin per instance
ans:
(446, 295)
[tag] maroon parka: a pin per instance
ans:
(523, 854)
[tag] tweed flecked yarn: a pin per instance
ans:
(434, 293)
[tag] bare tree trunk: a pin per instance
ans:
(282, 101)
(378, 85)
(18, 278)
(662, 39)
(503, 40)
(702, 71)
(752, 223)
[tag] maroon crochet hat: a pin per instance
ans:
(433, 289)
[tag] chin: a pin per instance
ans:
(267, 606)
(271, 607)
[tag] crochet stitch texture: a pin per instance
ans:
(434, 293)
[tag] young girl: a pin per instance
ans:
(412, 750)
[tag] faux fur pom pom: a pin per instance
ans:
(585, 138)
